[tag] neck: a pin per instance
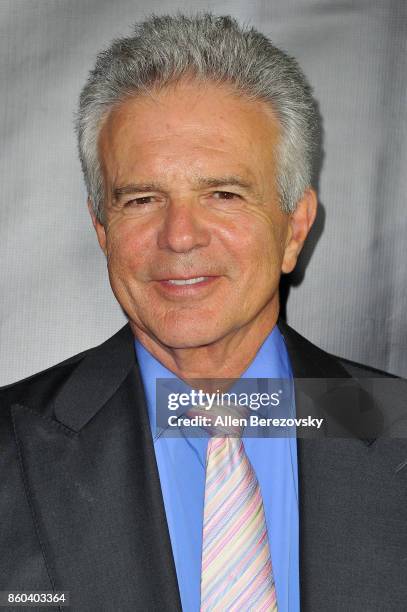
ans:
(227, 357)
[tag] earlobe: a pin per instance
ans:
(99, 228)
(300, 223)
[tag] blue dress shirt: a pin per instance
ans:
(181, 466)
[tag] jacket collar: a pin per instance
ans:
(96, 378)
(307, 360)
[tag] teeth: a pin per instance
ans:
(188, 281)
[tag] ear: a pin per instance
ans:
(300, 223)
(99, 227)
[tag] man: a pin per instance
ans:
(197, 140)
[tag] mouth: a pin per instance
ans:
(186, 281)
(190, 286)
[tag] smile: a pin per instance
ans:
(187, 281)
(196, 286)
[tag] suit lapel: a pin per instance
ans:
(313, 475)
(93, 487)
(330, 472)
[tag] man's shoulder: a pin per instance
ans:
(360, 370)
(38, 390)
(309, 360)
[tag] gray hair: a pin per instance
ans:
(165, 49)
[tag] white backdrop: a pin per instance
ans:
(352, 300)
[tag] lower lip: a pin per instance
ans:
(187, 290)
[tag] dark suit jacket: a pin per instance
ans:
(81, 508)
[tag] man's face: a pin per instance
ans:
(193, 232)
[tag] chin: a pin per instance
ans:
(187, 333)
(187, 329)
(188, 339)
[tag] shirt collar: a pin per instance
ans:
(271, 361)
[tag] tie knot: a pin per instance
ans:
(221, 420)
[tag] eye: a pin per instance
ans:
(139, 201)
(225, 195)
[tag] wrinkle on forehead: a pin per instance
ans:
(182, 133)
(191, 101)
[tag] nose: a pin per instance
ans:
(184, 228)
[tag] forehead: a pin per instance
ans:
(188, 125)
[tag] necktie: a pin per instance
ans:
(236, 570)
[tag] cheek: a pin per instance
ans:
(256, 245)
(127, 246)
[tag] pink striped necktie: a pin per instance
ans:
(236, 566)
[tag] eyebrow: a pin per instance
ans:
(135, 188)
(219, 181)
(201, 181)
